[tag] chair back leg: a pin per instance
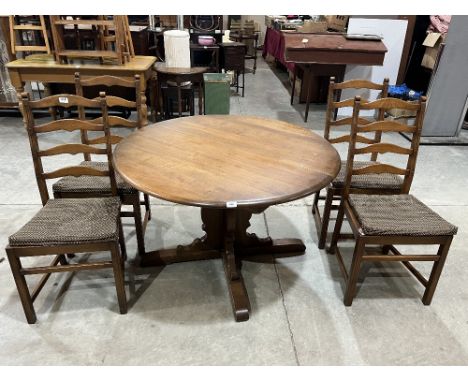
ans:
(140, 233)
(325, 218)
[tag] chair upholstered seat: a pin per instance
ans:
(379, 181)
(92, 184)
(398, 215)
(71, 221)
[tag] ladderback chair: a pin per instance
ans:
(65, 226)
(384, 183)
(389, 220)
(88, 187)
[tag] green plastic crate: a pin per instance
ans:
(217, 93)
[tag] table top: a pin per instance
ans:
(161, 68)
(136, 63)
(332, 48)
(208, 161)
(330, 41)
(195, 46)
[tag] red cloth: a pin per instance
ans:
(274, 46)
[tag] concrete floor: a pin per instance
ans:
(181, 314)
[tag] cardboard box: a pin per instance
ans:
(337, 23)
(270, 19)
(401, 113)
(432, 44)
(168, 21)
(313, 27)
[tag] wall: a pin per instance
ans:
(448, 93)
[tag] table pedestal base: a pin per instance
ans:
(226, 236)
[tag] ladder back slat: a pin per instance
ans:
(72, 148)
(348, 121)
(386, 126)
(75, 171)
(65, 100)
(379, 169)
(358, 84)
(68, 125)
(114, 140)
(347, 138)
(344, 103)
(116, 121)
(119, 101)
(382, 148)
(390, 103)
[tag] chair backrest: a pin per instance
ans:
(381, 147)
(114, 101)
(69, 125)
(334, 89)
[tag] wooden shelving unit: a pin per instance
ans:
(115, 41)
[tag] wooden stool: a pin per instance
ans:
(170, 99)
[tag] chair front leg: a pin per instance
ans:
(22, 286)
(436, 271)
(354, 272)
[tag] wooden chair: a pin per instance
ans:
(65, 226)
(88, 187)
(389, 220)
(17, 46)
(115, 42)
(383, 183)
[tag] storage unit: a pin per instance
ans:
(217, 92)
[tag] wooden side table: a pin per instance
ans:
(212, 49)
(233, 58)
(48, 71)
(251, 40)
(232, 167)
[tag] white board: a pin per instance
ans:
(393, 33)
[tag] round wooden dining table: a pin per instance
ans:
(231, 166)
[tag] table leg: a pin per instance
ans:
(309, 85)
(231, 261)
(226, 236)
(200, 98)
(293, 84)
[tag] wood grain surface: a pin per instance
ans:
(208, 161)
(162, 68)
(332, 48)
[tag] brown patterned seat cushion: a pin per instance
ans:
(71, 221)
(383, 181)
(92, 184)
(398, 215)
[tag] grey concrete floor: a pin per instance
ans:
(181, 314)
